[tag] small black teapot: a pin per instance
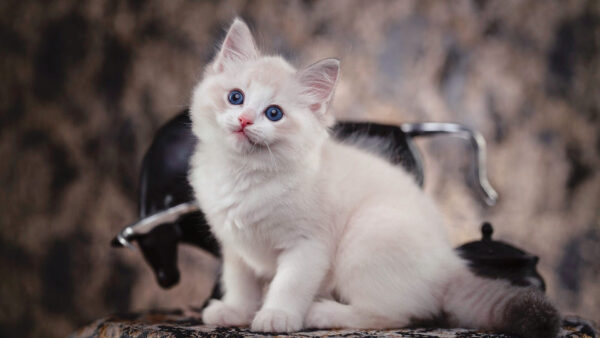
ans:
(496, 259)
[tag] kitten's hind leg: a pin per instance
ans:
(329, 314)
(388, 267)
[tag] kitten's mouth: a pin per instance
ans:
(241, 135)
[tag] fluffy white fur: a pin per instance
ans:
(315, 233)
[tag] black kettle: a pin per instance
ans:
(169, 215)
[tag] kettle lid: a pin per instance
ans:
(490, 250)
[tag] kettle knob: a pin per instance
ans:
(486, 231)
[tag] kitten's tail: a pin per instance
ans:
(477, 302)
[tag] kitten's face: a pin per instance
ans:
(254, 105)
(251, 103)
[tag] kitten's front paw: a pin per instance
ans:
(275, 320)
(221, 314)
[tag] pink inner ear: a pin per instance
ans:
(232, 46)
(319, 81)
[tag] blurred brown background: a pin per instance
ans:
(85, 84)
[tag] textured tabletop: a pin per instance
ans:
(177, 323)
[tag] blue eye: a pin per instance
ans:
(274, 113)
(236, 97)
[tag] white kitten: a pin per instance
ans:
(319, 234)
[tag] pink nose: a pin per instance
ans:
(244, 121)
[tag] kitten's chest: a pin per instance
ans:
(253, 214)
(242, 215)
(234, 200)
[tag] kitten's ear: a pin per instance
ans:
(318, 84)
(237, 47)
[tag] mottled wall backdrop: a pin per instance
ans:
(85, 84)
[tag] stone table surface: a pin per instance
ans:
(178, 323)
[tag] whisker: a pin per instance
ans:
(272, 156)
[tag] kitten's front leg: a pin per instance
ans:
(300, 271)
(242, 294)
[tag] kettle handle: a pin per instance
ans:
(485, 189)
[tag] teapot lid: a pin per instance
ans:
(491, 250)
